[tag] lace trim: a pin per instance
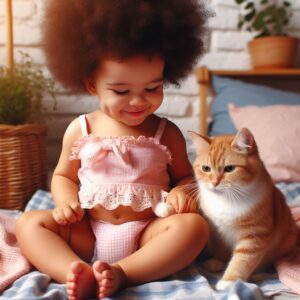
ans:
(116, 140)
(110, 196)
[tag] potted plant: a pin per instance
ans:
(268, 19)
(23, 167)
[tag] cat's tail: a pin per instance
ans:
(163, 209)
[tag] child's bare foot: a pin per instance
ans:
(81, 283)
(110, 278)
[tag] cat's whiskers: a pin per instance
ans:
(236, 194)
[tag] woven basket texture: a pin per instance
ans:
(23, 163)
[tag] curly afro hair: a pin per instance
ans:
(77, 33)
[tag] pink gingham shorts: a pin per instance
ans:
(115, 242)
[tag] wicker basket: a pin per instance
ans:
(23, 164)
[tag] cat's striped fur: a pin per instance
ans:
(251, 225)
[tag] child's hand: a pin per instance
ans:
(67, 213)
(181, 201)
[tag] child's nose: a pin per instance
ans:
(137, 100)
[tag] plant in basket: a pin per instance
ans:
(23, 165)
(268, 20)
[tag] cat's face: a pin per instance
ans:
(225, 162)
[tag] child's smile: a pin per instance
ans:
(131, 89)
(137, 113)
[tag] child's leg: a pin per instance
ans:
(167, 246)
(52, 248)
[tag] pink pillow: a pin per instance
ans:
(276, 129)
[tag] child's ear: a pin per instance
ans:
(90, 86)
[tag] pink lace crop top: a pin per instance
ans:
(123, 170)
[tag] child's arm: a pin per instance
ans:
(64, 185)
(183, 195)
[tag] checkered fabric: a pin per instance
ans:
(191, 283)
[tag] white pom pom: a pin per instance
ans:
(163, 209)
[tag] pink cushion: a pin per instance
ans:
(288, 268)
(276, 129)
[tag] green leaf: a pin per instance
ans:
(22, 92)
(239, 1)
(263, 34)
(250, 15)
(249, 5)
(259, 22)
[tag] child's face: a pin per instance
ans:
(131, 89)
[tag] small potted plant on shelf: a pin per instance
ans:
(268, 19)
(23, 167)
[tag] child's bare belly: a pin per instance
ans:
(119, 215)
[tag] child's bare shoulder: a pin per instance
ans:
(172, 132)
(173, 137)
(72, 133)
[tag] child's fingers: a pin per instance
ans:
(58, 216)
(78, 211)
(69, 214)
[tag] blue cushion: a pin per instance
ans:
(242, 94)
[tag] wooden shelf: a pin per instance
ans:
(255, 72)
(203, 73)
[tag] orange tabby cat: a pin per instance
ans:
(251, 225)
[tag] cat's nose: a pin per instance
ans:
(215, 182)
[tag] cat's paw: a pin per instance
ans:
(258, 277)
(213, 265)
(224, 285)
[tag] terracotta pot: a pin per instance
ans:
(273, 52)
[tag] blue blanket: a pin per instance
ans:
(191, 283)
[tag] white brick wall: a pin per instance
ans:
(226, 48)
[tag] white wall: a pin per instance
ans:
(226, 49)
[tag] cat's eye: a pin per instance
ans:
(206, 169)
(229, 169)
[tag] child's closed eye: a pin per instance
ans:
(120, 92)
(148, 90)
(153, 89)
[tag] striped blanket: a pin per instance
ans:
(191, 283)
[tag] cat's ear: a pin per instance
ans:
(244, 141)
(201, 143)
